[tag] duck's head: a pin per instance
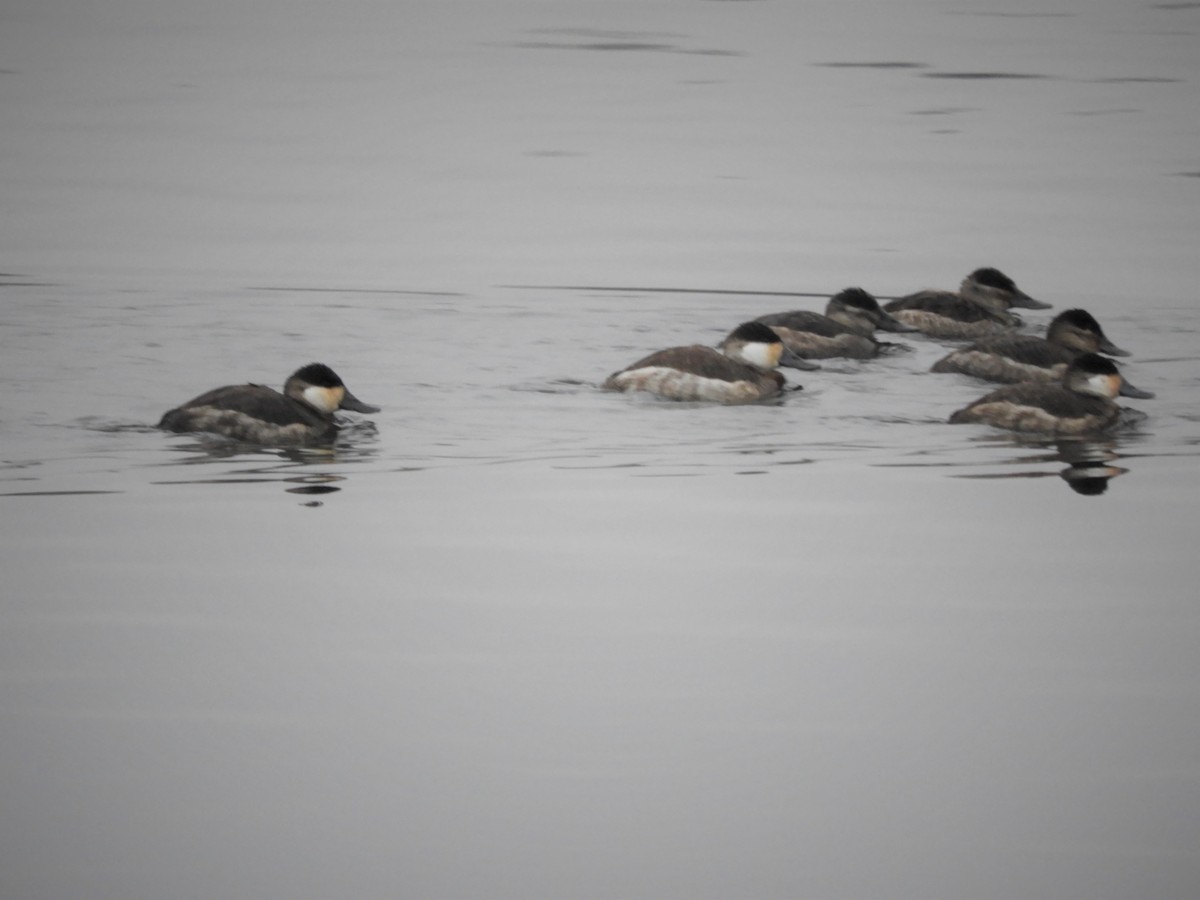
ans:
(994, 289)
(1099, 375)
(858, 310)
(318, 386)
(1078, 330)
(755, 344)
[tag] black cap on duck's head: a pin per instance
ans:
(993, 278)
(1083, 324)
(758, 345)
(1092, 373)
(318, 386)
(856, 297)
(855, 300)
(752, 333)
(989, 277)
(318, 375)
(1078, 318)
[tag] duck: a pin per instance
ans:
(257, 414)
(1014, 358)
(1081, 403)
(743, 368)
(845, 330)
(980, 307)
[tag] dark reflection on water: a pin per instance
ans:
(944, 111)
(1009, 15)
(983, 76)
(873, 65)
(1090, 463)
(613, 40)
(898, 64)
(1136, 80)
(53, 493)
(314, 484)
(106, 426)
(355, 443)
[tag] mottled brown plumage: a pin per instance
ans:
(979, 308)
(1014, 358)
(1082, 403)
(741, 371)
(259, 414)
(845, 330)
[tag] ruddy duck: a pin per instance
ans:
(1013, 358)
(1082, 403)
(981, 307)
(261, 415)
(741, 370)
(846, 329)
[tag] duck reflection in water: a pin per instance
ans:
(300, 470)
(1090, 467)
(1091, 464)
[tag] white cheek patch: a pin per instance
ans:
(326, 400)
(1103, 386)
(765, 356)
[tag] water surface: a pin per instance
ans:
(518, 637)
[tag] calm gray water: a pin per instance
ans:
(516, 637)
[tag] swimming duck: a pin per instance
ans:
(846, 329)
(1013, 358)
(262, 415)
(1082, 403)
(981, 307)
(742, 369)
